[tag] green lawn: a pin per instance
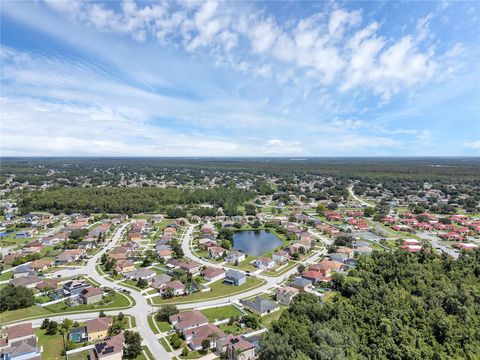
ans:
(120, 301)
(291, 264)
(83, 355)
(165, 344)
(221, 313)
(163, 326)
(245, 265)
(149, 353)
(6, 276)
(233, 329)
(197, 354)
(130, 284)
(218, 290)
(268, 319)
(52, 345)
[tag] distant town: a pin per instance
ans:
(185, 259)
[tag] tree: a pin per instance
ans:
(133, 345)
(45, 324)
(52, 328)
(13, 298)
(175, 341)
(142, 283)
(251, 321)
(66, 326)
(301, 268)
(103, 259)
(369, 211)
(165, 311)
(185, 352)
(102, 314)
(205, 345)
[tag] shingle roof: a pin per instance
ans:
(234, 274)
(260, 304)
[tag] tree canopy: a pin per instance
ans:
(403, 306)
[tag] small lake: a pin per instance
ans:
(255, 242)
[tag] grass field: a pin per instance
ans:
(218, 290)
(221, 313)
(268, 319)
(165, 344)
(120, 301)
(52, 345)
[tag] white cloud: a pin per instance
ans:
(330, 46)
(473, 144)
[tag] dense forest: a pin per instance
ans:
(126, 200)
(401, 306)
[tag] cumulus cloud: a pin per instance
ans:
(333, 45)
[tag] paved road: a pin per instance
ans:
(363, 202)
(140, 310)
(437, 245)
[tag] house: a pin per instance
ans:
(235, 277)
(124, 266)
(69, 256)
(78, 334)
(264, 263)
(23, 271)
(141, 273)
(176, 286)
(160, 280)
(363, 250)
(235, 256)
(47, 284)
(91, 295)
(345, 250)
(196, 336)
(41, 265)
(339, 257)
(215, 252)
(285, 294)
(327, 266)
(188, 320)
(30, 281)
(301, 284)
(280, 256)
(98, 328)
(237, 347)
(260, 306)
(73, 288)
(32, 247)
(110, 349)
(9, 258)
(314, 276)
(20, 343)
(190, 267)
(213, 274)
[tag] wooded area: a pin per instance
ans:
(403, 306)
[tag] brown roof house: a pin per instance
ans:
(188, 320)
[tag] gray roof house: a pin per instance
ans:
(260, 306)
(160, 280)
(235, 277)
(140, 274)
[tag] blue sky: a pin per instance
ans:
(240, 78)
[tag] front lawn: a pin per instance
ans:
(52, 345)
(120, 301)
(218, 290)
(221, 313)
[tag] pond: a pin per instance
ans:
(255, 242)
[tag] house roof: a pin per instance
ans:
(110, 346)
(301, 282)
(212, 272)
(234, 274)
(203, 332)
(188, 318)
(265, 260)
(91, 291)
(140, 273)
(239, 343)
(99, 324)
(176, 285)
(24, 281)
(18, 331)
(260, 304)
(24, 346)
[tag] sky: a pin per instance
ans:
(280, 78)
